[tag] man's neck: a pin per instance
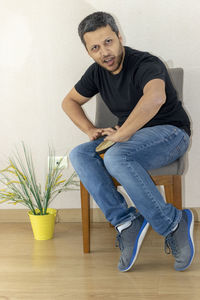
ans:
(121, 64)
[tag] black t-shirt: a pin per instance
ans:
(121, 92)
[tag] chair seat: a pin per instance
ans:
(172, 169)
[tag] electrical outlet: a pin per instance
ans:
(57, 159)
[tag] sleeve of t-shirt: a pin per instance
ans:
(86, 86)
(150, 69)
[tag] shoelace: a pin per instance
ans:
(167, 248)
(170, 245)
(118, 242)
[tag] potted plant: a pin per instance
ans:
(19, 184)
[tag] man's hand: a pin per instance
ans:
(114, 135)
(94, 133)
(110, 130)
(110, 133)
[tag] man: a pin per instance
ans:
(153, 131)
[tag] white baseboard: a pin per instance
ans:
(65, 215)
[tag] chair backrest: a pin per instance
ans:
(104, 117)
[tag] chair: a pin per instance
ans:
(168, 176)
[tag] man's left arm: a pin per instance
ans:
(153, 98)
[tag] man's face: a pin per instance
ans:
(105, 47)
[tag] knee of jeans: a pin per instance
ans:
(112, 160)
(81, 153)
(75, 154)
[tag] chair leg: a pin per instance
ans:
(85, 206)
(173, 192)
(169, 193)
(177, 191)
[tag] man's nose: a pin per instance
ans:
(104, 51)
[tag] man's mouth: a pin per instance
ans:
(109, 61)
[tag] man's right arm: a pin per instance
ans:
(72, 106)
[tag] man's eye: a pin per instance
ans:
(94, 48)
(108, 41)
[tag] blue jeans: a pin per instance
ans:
(129, 162)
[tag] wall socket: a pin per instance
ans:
(57, 159)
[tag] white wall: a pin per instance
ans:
(41, 58)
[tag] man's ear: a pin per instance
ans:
(84, 43)
(86, 48)
(120, 37)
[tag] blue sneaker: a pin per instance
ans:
(181, 242)
(130, 241)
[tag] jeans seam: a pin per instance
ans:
(149, 194)
(183, 141)
(163, 140)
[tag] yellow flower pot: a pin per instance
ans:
(43, 225)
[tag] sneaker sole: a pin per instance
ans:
(190, 218)
(138, 243)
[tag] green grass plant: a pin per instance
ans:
(19, 184)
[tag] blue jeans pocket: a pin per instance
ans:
(180, 148)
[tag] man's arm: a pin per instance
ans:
(72, 106)
(148, 106)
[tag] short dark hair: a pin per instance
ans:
(94, 21)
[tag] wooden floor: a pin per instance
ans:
(58, 270)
